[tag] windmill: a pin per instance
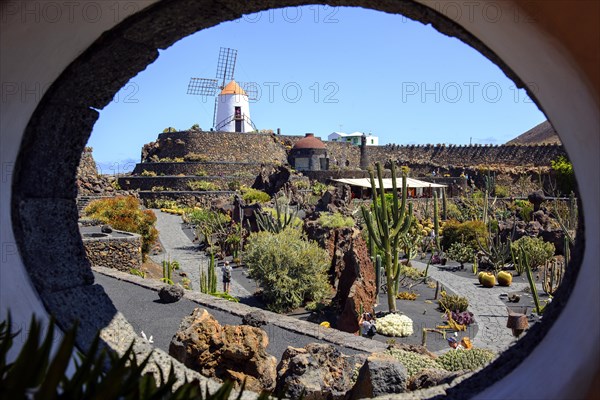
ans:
(232, 110)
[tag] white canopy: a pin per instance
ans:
(387, 183)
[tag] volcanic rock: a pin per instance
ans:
(236, 353)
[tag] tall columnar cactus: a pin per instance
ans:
(444, 205)
(522, 259)
(208, 281)
(378, 273)
(553, 276)
(166, 266)
(386, 227)
(212, 275)
(436, 221)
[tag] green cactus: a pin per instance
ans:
(436, 221)
(497, 252)
(166, 266)
(388, 226)
(522, 259)
(208, 281)
(283, 219)
(553, 276)
(378, 273)
(444, 205)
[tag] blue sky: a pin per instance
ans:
(322, 69)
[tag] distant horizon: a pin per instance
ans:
(316, 72)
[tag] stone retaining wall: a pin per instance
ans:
(180, 183)
(186, 198)
(121, 253)
(232, 169)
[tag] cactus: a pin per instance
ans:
(553, 276)
(388, 226)
(267, 222)
(496, 251)
(208, 281)
(212, 276)
(166, 266)
(444, 205)
(378, 273)
(436, 221)
(522, 259)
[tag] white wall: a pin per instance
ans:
(226, 104)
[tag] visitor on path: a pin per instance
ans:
(367, 325)
(226, 269)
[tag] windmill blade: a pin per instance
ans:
(203, 86)
(251, 89)
(226, 64)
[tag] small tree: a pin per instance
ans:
(538, 251)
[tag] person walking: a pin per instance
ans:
(226, 269)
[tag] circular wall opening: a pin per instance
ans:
(45, 216)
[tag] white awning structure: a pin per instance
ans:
(387, 183)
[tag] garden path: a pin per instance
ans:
(485, 304)
(177, 246)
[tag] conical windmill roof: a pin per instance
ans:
(233, 88)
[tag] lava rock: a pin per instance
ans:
(170, 293)
(228, 352)
(432, 377)
(106, 229)
(380, 374)
(255, 318)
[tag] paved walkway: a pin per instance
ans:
(179, 247)
(485, 304)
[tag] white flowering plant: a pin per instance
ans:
(395, 325)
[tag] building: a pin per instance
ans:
(353, 138)
(233, 110)
(309, 154)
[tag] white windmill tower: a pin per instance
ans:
(232, 107)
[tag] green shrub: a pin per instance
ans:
(204, 186)
(538, 251)
(453, 302)
(468, 233)
(162, 203)
(565, 176)
(524, 208)
(453, 212)
(148, 173)
(234, 185)
(501, 191)
(290, 270)
(200, 172)
(461, 253)
(195, 157)
(135, 271)
(124, 213)
(459, 360)
(318, 188)
(335, 220)
(169, 129)
(251, 195)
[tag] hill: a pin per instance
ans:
(543, 133)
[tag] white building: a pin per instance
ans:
(353, 138)
(233, 110)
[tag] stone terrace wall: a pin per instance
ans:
(233, 169)
(217, 146)
(179, 182)
(442, 155)
(189, 199)
(121, 253)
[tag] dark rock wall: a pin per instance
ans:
(118, 253)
